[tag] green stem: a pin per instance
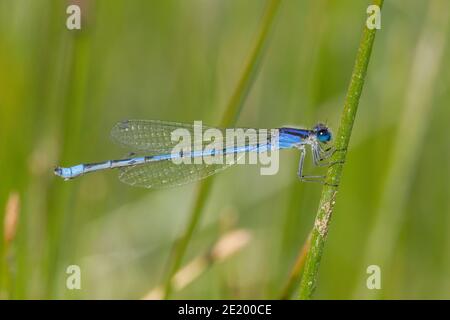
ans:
(296, 270)
(230, 116)
(333, 178)
(246, 81)
(181, 245)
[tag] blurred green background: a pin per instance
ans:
(61, 91)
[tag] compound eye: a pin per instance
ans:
(324, 135)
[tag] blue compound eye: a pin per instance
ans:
(323, 135)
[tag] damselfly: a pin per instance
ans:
(152, 161)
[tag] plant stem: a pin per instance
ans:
(180, 247)
(230, 116)
(334, 173)
(296, 271)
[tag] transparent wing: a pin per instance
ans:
(165, 173)
(155, 137)
(151, 136)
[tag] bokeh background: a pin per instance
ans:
(61, 91)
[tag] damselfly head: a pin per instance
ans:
(323, 134)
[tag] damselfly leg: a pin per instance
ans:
(307, 178)
(319, 156)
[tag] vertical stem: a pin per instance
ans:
(333, 178)
(296, 271)
(181, 245)
(246, 81)
(230, 116)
